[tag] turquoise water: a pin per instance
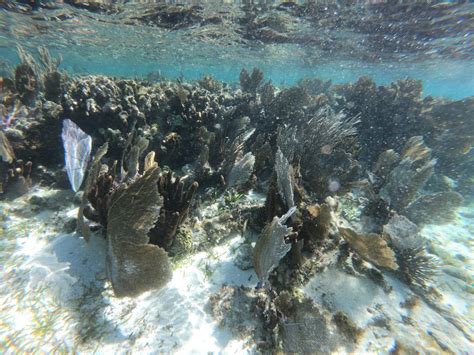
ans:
(99, 44)
(446, 78)
(255, 211)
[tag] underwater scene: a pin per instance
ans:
(236, 177)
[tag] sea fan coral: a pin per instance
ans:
(250, 82)
(89, 186)
(133, 265)
(6, 151)
(77, 149)
(438, 208)
(410, 175)
(371, 247)
(241, 171)
(272, 247)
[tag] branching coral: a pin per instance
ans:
(211, 84)
(251, 82)
(32, 76)
(176, 204)
(320, 149)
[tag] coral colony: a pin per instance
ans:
(161, 150)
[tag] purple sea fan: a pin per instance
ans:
(77, 149)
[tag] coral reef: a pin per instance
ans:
(272, 246)
(371, 247)
(354, 170)
(437, 208)
(176, 203)
(133, 265)
(323, 150)
(15, 177)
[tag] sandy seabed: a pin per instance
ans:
(54, 293)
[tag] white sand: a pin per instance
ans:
(54, 294)
(64, 302)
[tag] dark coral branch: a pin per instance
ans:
(99, 196)
(18, 180)
(176, 203)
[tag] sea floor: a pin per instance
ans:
(55, 297)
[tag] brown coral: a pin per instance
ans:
(133, 265)
(176, 203)
(371, 247)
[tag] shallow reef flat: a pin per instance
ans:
(55, 296)
(232, 217)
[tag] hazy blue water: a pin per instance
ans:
(451, 79)
(89, 46)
